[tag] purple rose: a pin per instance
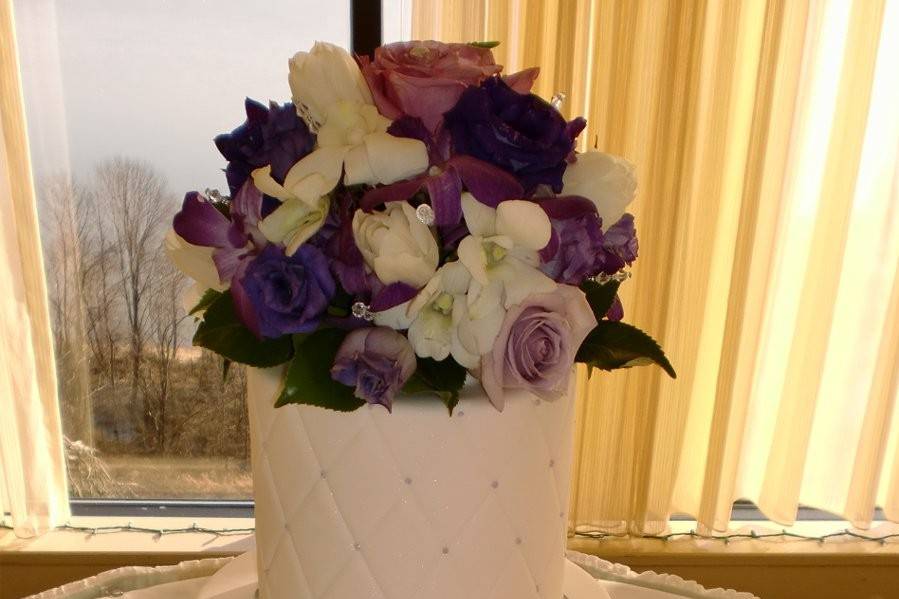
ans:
(377, 362)
(274, 136)
(520, 133)
(537, 344)
(619, 245)
(278, 295)
(575, 249)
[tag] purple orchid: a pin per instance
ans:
(488, 184)
(235, 238)
(277, 295)
(520, 133)
(274, 136)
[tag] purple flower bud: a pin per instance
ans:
(377, 362)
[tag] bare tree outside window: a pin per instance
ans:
(145, 413)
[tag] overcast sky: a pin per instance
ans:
(157, 79)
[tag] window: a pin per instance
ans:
(122, 101)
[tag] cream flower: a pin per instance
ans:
(606, 180)
(397, 246)
(296, 219)
(445, 321)
(328, 88)
(194, 260)
(324, 75)
(501, 252)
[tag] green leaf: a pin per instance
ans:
(309, 379)
(222, 332)
(444, 379)
(209, 296)
(613, 345)
(488, 45)
(600, 296)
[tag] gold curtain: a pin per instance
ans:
(33, 490)
(765, 134)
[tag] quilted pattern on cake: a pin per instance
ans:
(410, 505)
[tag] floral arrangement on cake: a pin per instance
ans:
(408, 220)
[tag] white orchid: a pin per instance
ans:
(328, 89)
(501, 252)
(396, 245)
(296, 219)
(445, 321)
(606, 180)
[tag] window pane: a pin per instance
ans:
(123, 99)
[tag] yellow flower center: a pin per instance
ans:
(443, 304)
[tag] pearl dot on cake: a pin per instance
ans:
(446, 551)
(408, 481)
(494, 484)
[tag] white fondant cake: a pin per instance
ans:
(413, 504)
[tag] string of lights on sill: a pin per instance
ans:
(598, 536)
(156, 532)
(737, 536)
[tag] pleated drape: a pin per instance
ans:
(765, 135)
(33, 492)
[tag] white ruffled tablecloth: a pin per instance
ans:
(586, 577)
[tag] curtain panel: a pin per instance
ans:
(33, 492)
(766, 137)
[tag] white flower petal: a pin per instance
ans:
(357, 169)
(396, 318)
(520, 281)
(608, 181)
(262, 179)
(193, 260)
(471, 254)
(524, 222)
(293, 222)
(323, 76)
(393, 159)
(481, 219)
(316, 174)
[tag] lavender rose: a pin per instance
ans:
(424, 79)
(278, 295)
(520, 133)
(377, 362)
(537, 344)
(274, 136)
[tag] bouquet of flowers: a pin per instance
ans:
(408, 220)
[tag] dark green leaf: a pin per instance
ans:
(226, 368)
(488, 45)
(614, 345)
(309, 379)
(444, 379)
(209, 296)
(222, 332)
(600, 296)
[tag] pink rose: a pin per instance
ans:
(537, 344)
(424, 79)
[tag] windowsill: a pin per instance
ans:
(686, 550)
(62, 542)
